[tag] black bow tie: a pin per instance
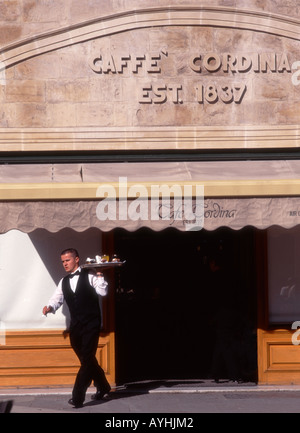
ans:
(75, 273)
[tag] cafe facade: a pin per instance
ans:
(167, 134)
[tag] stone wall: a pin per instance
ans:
(178, 74)
(20, 19)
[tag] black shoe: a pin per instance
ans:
(76, 405)
(102, 395)
(6, 406)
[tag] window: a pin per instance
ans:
(283, 275)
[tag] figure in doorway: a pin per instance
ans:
(225, 361)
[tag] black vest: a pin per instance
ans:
(84, 303)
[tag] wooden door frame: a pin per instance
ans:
(277, 358)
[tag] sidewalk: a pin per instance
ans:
(170, 397)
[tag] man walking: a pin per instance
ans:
(80, 289)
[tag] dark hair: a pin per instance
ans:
(72, 251)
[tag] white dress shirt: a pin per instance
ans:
(99, 284)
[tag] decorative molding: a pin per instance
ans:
(88, 190)
(45, 358)
(225, 17)
(279, 361)
(162, 138)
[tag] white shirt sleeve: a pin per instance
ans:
(57, 298)
(99, 284)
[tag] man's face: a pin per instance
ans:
(70, 262)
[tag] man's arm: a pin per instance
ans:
(98, 282)
(55, 301)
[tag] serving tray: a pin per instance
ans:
(103, 266)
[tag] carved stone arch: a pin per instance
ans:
(225, 17)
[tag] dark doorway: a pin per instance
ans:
(173, 309)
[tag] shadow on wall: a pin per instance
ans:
(50, 245)
(34, 262)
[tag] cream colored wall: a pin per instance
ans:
(30, 271)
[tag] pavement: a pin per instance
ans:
(169, 398)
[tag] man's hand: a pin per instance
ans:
(47, 310)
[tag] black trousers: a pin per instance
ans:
(84, 341)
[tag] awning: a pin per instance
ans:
(234, 213)
(106, 196)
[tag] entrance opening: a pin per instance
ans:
(186, 305)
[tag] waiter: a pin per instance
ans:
(80, 289)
